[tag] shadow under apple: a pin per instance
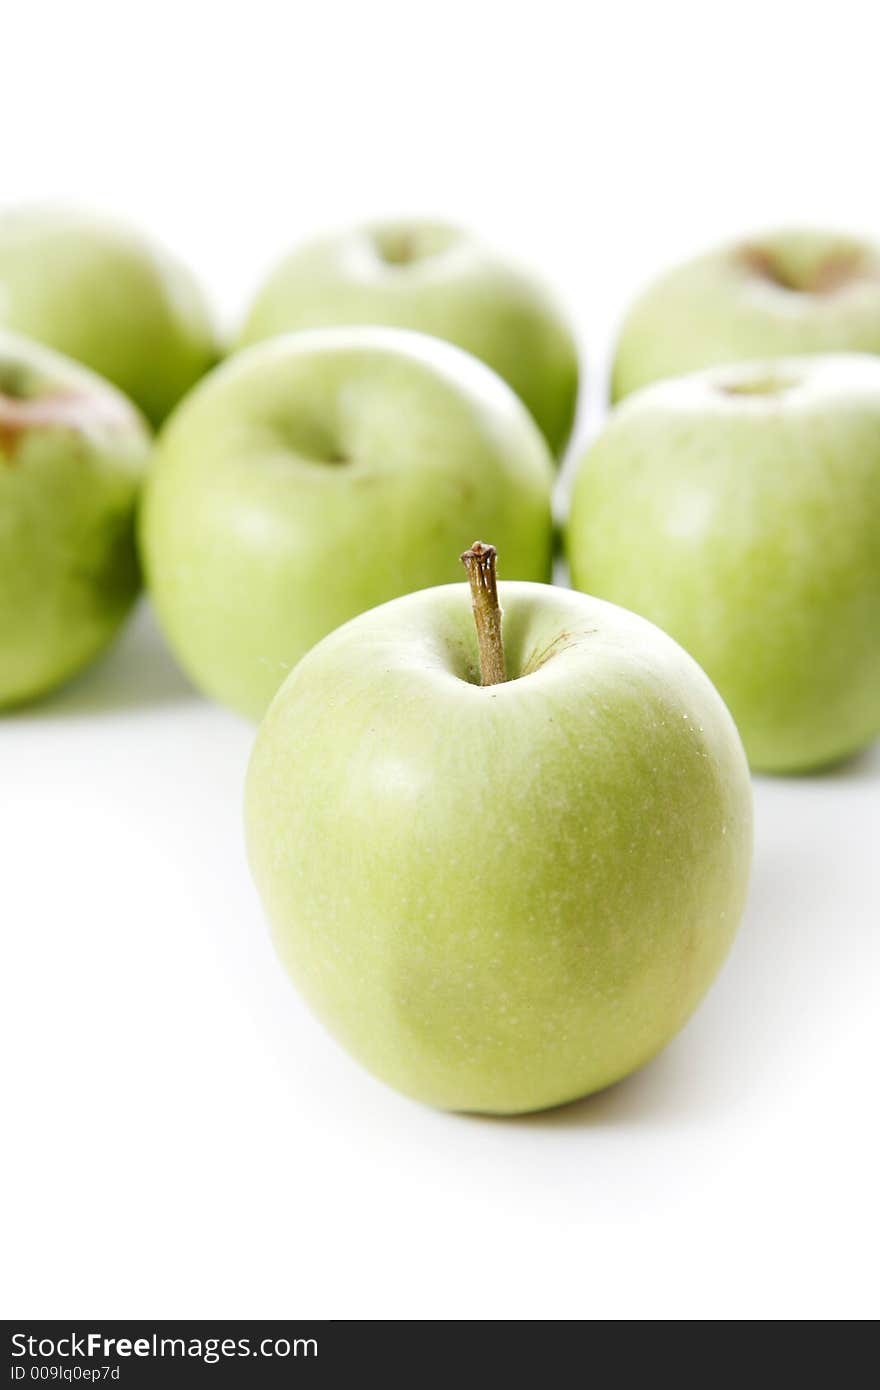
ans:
(136, 672)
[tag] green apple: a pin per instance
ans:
(500, 895)
(104, 296)
(777, 295)
(439, 280)
(319, 474)
(73, 451)
(739, 509)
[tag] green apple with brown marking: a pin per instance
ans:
(776, 294)
(503, 859)
(436, 279)
(106, 296)
(73, 452)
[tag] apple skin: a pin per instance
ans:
(746, 523)
(319, 474)
(434, 279)
(780, 294)
(101, 294)
(500, 898)
(73, 451)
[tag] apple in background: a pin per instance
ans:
(776, 295)
(106, 297)
(739, 509)
(439, 280)
(500, 894)
(72, 454)
(319, 474)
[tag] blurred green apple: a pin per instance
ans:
(439, 280)
(500, 897)
(104, 296)
(739, 509)
(776, 295)
(318, 474)
(72, 454)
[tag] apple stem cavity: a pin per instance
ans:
(65, 410)
(480, 562)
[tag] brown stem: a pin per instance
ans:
(479, 562)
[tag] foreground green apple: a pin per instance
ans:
(319, 474)
(104, 296)
(776, 295)
(72, 454)
(434, 279)
(500, 896)
(739, 509)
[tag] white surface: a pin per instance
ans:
(183, 1139)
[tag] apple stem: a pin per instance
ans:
(479, 562)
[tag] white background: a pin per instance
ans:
(183, 1139)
